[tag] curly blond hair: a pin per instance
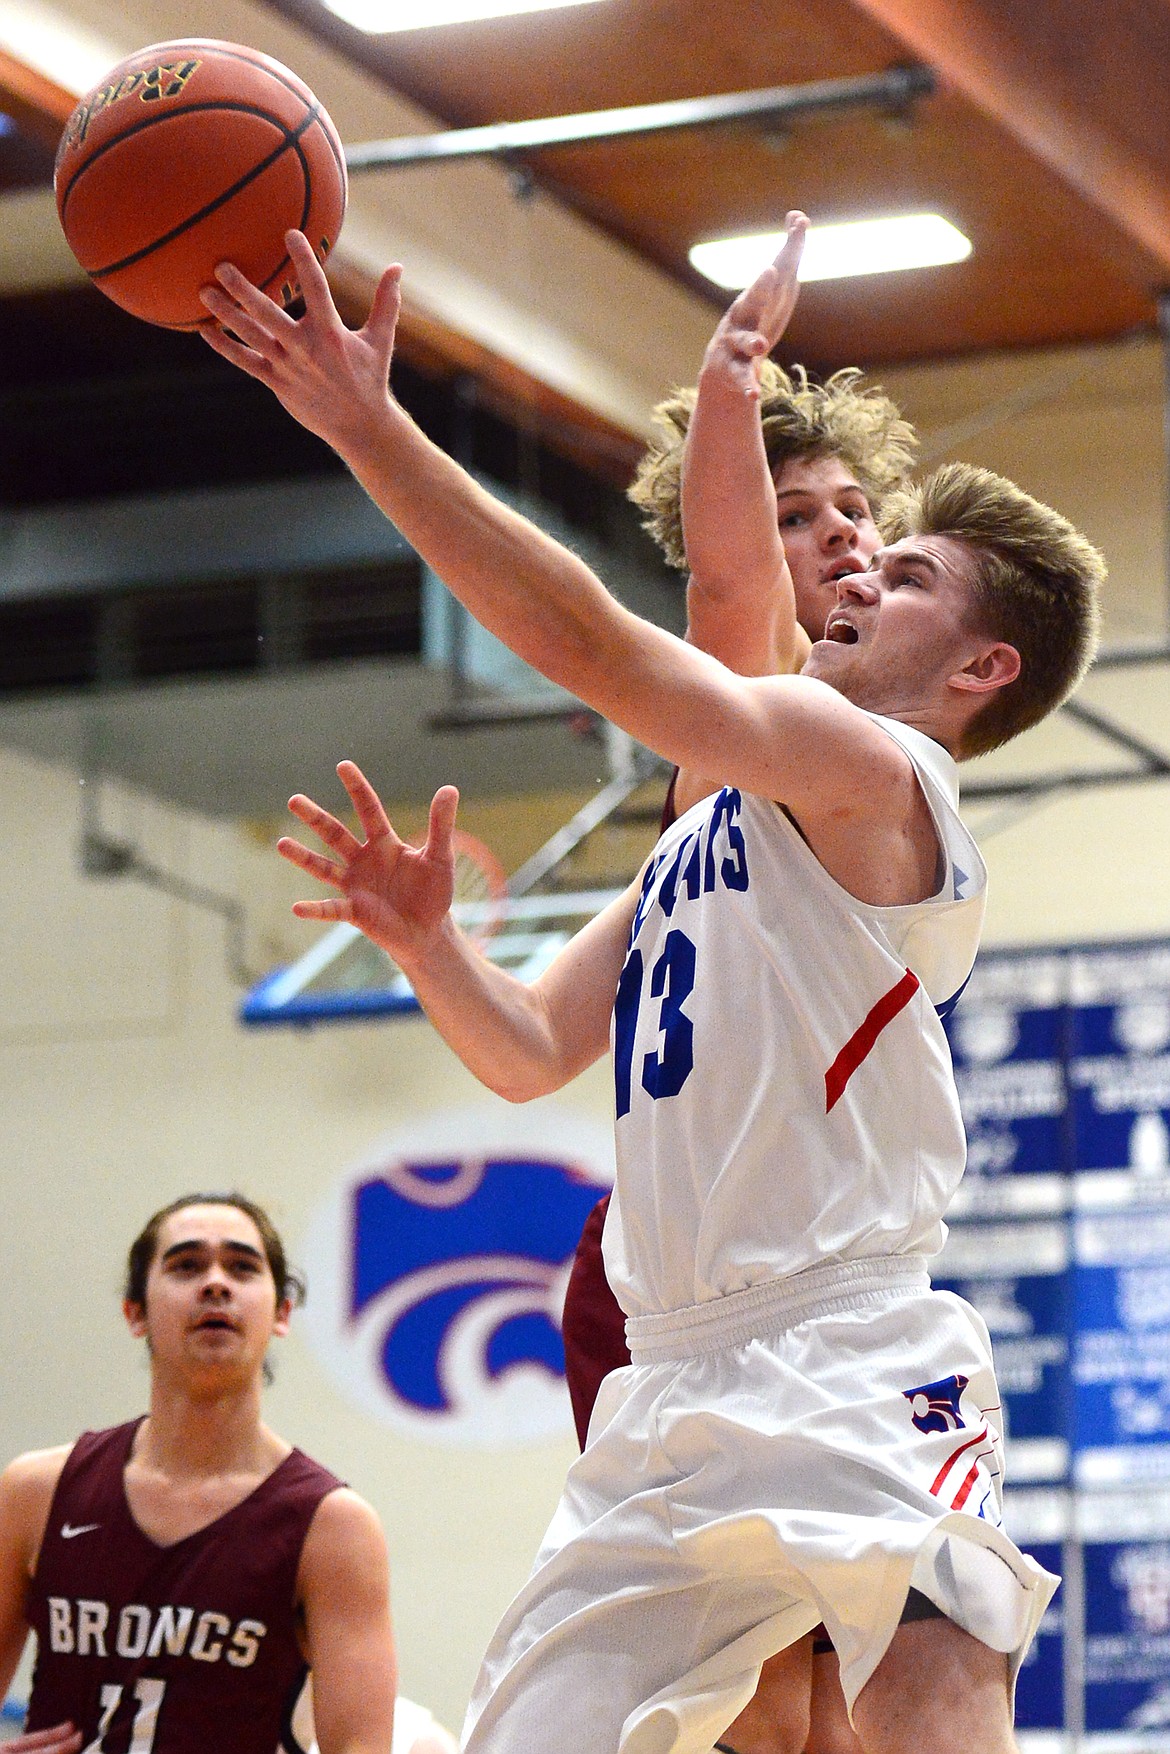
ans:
(839, 418)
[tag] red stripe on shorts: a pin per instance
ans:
(861, 1042)
(961, 1496)
(952, 1459)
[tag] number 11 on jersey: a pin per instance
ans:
(149, 1695)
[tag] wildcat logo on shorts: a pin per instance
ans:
(934, 1406)
(438, 1271)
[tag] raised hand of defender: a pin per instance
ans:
(397, 894)
(330, 378)
(754, 323)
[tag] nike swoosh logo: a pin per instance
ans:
(69, 1530)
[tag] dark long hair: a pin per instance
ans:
(289, 1283)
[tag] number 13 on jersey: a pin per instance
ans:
(672, 978)
(676, 879)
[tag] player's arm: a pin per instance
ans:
(534, 594)
(26, 1492)
(520, 1040)
(740, 602)
(344, 1594)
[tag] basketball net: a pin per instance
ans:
(480, 902)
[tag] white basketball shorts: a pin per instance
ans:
(805, 1450)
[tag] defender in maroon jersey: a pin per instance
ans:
(184, 1573)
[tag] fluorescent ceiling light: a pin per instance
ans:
(382, 16)
(834, 252)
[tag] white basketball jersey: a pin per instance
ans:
(784, 1087)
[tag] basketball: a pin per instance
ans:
(192, 153)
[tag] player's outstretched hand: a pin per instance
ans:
(757, 319)
(61, 1739)
(397, 894)
(332, 379)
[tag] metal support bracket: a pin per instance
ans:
(892, 93)
(102, 857)
(1153, 764)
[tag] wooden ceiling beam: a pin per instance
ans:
(519, 397)
(996, 67)
(38, 106)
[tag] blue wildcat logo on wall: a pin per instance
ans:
(437, 1271)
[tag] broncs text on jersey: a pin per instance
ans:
(87, 1628)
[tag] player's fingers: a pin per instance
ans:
(770, 292)
(770, 300)
(314, 286)
(254, 330)
(744, 312)
(382, 321)
(229, 348)
(60, 1739)
(55, 1744)
(313, 864)
(749, 308)
(748, 343)
(247, 307)
(336, 907)
(796, 226)
(370, 809)
(326, 827)
(441, 822)
(250, 297)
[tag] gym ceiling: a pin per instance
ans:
(552, 287)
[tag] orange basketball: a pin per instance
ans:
(189, 154)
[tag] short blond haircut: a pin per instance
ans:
(1037, 585)
(839, 418)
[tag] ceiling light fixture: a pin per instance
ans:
(379, 17)
(835, 252)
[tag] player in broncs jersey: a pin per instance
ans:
(807, 1432)
(184, 1574)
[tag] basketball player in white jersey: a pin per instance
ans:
(763, 547)
(185, 1572)
(807, 1431)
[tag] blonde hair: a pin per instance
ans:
(838, 418)
(1037, 585)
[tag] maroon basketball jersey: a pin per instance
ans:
(593, 1326)
(179, 1649)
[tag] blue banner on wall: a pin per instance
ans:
(1121, 1346)
(1040, 1683)
(1119, 1074)
(1008, 1043)
(1127, 1620)
(1040, 1523)
(1017, 1276)
(1062, 1060)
